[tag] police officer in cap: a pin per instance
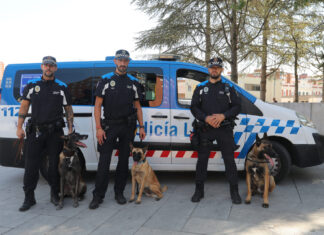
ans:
(214, 104)
(117, 93)
(47, 96)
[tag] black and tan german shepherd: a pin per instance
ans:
(70, 168)
(258, 177)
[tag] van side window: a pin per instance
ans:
(187, 80)
(78, 80)
(150, 79)
(248, 108)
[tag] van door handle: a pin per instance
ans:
(159, 116)
(180, 117)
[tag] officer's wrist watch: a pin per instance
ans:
(141, 127)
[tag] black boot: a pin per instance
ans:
(199, 192)
(28, 202)
(119, 197)
(235, 196)
(55, 199)
(96, 201)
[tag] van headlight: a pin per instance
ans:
(304, 121)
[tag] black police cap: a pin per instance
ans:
(215, 62)
(49, 60)
(122, 54)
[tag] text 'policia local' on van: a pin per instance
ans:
(169, 86)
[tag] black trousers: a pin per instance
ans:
(225, 139)
(125, 135)
(52, 143)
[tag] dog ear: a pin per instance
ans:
(145, 149)
(265, 135)
(257, 140)
(131, 146)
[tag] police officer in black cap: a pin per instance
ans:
(215, 105)
(47, 96)
(117, 93)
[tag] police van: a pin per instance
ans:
(169, 85)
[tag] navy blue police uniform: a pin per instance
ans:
(215, 98)
(119, 93)
(44, 130)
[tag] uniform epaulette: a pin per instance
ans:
(132, 78)
(107, 75)
(60, 82)
(34, 80)
(202, 83)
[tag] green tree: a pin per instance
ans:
(197, 29)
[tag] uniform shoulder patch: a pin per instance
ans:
(107, 75)
(131, 77)
(60, 82)
(202, 83)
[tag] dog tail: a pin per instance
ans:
(164, 188)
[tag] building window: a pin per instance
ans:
(252, 87)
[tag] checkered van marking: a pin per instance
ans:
(253, 125)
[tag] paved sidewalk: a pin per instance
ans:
(296, 207)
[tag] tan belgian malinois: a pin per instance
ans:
(144, 176)
(258, 177)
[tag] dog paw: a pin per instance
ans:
(247, 202)
(138, 202)
(59, 207)
(131, 200)
(75, 205)
(265, 205)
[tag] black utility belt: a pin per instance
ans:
(44, 127)
(129, 120)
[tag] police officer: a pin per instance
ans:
(47, 96)
(214, 103)
(118, 94)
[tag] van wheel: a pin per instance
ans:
(282, 164)
(44, 166)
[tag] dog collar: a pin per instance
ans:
(67, 152)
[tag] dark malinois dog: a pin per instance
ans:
(70, 169)
(144, 176)
(258, 177)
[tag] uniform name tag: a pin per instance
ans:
(221, 92)
(129, 87)
(56, 93)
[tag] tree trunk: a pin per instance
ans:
(296, 74)
(263, 83)
(208, 33)
(233, 62)
(323, 84)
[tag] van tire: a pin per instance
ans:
(282, 163)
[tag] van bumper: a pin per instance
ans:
(9, 153)
(310, 155)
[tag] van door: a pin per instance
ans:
(80, 84)
(185, 79)
(155, 107)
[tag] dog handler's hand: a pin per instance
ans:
(101, 136)
(211, 120)
(142, 133)
(20, 133)
(219, 118)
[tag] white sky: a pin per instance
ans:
(70, 30)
